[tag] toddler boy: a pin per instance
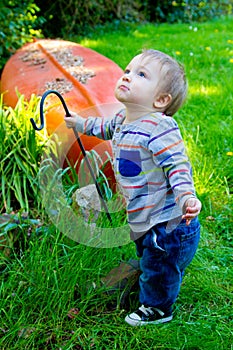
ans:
(153, 171)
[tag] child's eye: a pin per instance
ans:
(142, 74)
(127, 71)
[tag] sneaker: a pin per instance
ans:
(147, 315)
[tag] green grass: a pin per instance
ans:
(41, 283)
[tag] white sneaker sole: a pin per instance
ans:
(135, 322)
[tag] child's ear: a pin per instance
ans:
(162, 101)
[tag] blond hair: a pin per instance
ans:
(173, 79)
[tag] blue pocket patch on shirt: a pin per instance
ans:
(129, 163)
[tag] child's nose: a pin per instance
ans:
(126, 77)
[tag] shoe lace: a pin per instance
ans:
(146, 310)
(149, 310)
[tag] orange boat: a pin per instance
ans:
(85, 79)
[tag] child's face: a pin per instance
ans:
(140, 82)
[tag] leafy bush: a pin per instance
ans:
(19, 23)
(20, 150)
(184, 10)
(80, 17)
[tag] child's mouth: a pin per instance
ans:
(123, 87)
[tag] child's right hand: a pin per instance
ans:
(71, 121)
(192, 208)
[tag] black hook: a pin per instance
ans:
(77, 138)
(42, 106)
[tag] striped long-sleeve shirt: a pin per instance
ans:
(150, 164)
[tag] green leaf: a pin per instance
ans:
(9, 227)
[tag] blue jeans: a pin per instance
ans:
(164, 257)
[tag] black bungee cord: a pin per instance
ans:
(78, 140)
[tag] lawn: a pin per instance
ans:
(51, 291)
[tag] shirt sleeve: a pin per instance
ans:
(169, 153)
(100, 127)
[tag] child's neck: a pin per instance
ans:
(135, 112)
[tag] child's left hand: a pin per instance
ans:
(192, 208)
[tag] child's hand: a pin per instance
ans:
(71, 121)
(192, 208)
